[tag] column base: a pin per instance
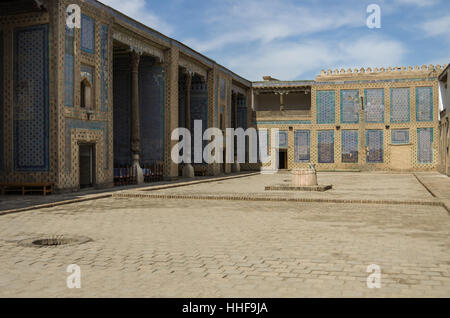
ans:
(235, 167)
(188, 171)
(139, 171)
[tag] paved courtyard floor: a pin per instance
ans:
(151, 247)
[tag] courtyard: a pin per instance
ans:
(153, 246)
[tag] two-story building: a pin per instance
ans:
(95, 105)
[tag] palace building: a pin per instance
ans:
(81, 107)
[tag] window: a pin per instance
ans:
(86, 87)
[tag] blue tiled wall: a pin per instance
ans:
(31, 99)
(122, 98)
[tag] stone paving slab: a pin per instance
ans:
(194, 248)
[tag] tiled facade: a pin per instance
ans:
(62, 88)
(397, 130)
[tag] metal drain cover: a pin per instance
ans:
(53, 241)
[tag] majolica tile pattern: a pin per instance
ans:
(325, 107)
(87, 34)
(69, 76)
(104, 66)
(283, 139)
(31, 99)
(425, 140)
(400, 136)
(374, 146)
(400, 105)
(374, 105)
(424, 103)
(302, 145)
(326, 146)
(349, 106)
(122, 112)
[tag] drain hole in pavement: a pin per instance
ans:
(52, 241)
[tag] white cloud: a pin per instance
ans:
(266, 21)
(437, 27)
(138, 10)
(419, 3)
(287, 61)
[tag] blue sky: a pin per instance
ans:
(296, 39)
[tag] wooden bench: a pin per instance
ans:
(24, 188)
(200, 170)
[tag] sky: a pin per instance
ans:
(296, 39)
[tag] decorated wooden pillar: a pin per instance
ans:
(188, 100)
(135, 119)
(188, 169)
(172, 109)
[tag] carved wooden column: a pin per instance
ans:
(172, 108)
(135, 118)
(188, 100)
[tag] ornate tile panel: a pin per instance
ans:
(69, 67)
(325, 146)
(400, 136)
(31, 99)
(425, 145)
(223, 86)
(87, 34)
(349, 141)
(302, 146)
(122, 112)
(104, 67)
(283, 139)
(374, 100)
(424, 103)
(349, 106)
(89, 125)
(400, 105)
(374, 146)
(325, 105)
